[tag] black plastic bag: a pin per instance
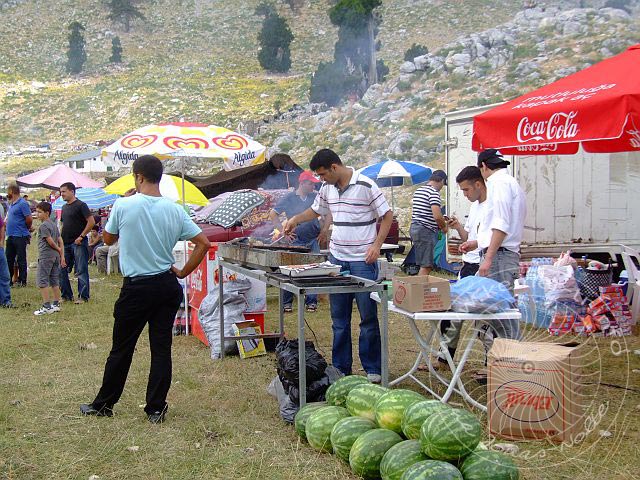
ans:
(287, 358)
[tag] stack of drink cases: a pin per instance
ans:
(542, 316)
(607, 315)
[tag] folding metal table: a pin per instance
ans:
(283, 283)
(432, 320)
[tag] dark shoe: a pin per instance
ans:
(287, 309)
(9, 305)
(312, 308)
(156, 417)
(80, 301)
(87, 409)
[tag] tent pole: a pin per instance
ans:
(186, 257)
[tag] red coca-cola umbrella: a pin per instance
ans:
(598, 108)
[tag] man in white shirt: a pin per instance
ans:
(355, 203)
(472, 184)
(501, 228)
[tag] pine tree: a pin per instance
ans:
(76, 56)
(124, 11)
(354, 55)
(116, 50)
(274, 38)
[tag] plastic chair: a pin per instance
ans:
(633, 290)
(113, 260)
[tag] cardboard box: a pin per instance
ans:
(534, 391)
(421, 293)
(249, 347)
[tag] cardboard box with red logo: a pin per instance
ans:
(421, 293)
(534, 391)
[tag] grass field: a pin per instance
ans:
(221, 422)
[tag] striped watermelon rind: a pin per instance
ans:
(485, 465)
(361, 401)
(369, 449)
(346, 432)
(416, 415)
(300, 420)
(319, 426)
(337, 392)
(450, 435)
(391, 406)
(431, 470)
(399, 458)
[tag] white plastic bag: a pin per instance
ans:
(559, 284)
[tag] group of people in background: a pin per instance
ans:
(491, 234)
(59, 253)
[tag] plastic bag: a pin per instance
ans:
(477, 294)
(319, 377)
(234, 306)
(565, 259)
(559, 284)
(287, 358)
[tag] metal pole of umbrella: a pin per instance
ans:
(186, 257)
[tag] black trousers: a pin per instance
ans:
(16, 249)
(154, 301)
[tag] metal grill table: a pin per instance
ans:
(300, 287)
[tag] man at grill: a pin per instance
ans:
(355, 203)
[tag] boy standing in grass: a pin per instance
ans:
(50, 259)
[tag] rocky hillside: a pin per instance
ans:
(196, 60)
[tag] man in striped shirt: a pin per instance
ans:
(355, 203)
(426, 219)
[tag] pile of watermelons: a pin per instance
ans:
(399, 435)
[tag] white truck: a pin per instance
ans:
(589, 203)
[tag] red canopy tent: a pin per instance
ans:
(598, 108)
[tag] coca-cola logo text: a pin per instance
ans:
(560, 126)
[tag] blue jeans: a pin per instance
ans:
(312, 299)
(5, 277)
(77, 255)
(341, 308)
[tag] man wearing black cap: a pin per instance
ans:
(501, 227)
(426, 219)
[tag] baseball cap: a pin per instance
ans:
(491, 156)
(308, 176)
(439, 176)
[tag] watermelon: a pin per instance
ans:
(337, 392)
(417, 413)
(347, 431)
(399, 458)
(432, 470)
(367, 451)
(319, 426)
(450, 435)
(391, 406)
(300, 420)
(485, 464)
(362, 399)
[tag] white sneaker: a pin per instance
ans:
(55, 308)
(43, 311)
(374, 378)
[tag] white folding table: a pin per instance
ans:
(432, 320)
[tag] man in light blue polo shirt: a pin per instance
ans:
(147, 227)
(18, 234)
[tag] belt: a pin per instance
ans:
(500, 249)
(140, 278)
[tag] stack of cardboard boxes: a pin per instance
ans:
(607, 316)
